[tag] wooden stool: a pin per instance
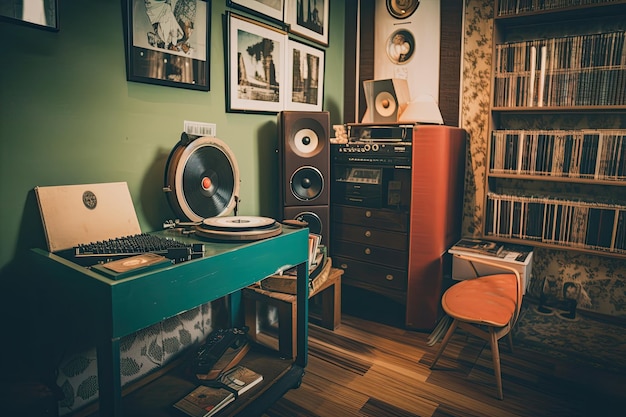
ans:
(329, 293)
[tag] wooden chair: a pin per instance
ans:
(486, 306)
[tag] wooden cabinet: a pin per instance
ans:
(556, 158)
(396, 247)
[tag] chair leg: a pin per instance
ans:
(496, 360)
(444, 342)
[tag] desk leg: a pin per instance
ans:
(302, 317)
(109, 378)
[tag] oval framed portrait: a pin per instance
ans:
(400, 46)
(401, 9)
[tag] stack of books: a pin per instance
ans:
(207, 400)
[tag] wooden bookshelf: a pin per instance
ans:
(556, 157)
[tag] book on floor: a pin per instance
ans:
(241, 379)
(205, 401)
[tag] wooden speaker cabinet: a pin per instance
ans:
(396, 247)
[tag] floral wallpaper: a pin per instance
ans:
(601, 281)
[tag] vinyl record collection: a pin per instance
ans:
(581, 70)
(592, 154)
(512, 7)
(575, 224)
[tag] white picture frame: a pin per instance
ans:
(311, 24)
(256, 66)
(269, 8)
(304, 77)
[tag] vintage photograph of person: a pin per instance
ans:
(169, 42)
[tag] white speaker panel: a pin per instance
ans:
(421, 69)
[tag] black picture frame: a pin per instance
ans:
(256, 54)
(272, 9)
(40, 14)
(180, 60)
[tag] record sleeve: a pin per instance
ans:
(132, 265)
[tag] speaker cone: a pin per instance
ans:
(307, 183)
(312, 219)
(307, 139)
(385, 104)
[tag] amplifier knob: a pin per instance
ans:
(389, 277)
(368, 233)
(344, 266)
(368, 251)
(368, 213)
(366, 147)
(375, 147)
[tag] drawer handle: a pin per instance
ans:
(368, 213)
(368, 251)
(368, 233)
(389, 277)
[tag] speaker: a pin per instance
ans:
(304, 167)
(317, 217)
(386, 99)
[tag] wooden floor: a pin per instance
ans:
(370, 369)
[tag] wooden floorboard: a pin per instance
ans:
(371, 369)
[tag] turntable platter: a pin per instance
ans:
(238, 228)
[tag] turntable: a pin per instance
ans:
(202, 187)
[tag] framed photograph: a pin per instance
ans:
(42, 14)
(304, 77)
(168, 43)
(308, 18)
(267, 8)
(256, 66)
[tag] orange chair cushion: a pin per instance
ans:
(485, 300)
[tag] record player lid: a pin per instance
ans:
(77, 214)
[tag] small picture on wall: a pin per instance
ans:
(43, 14)
(256, 63)
(168, 42)
(308, 18)
(265, 8)
(305, 77)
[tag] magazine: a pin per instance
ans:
(484, 247)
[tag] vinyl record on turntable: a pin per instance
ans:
(235, 223)
(202, 179)
(238, 228)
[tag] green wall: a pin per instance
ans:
(68, 116)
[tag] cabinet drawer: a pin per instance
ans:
(374, 274)
(370, 236)
(370, 253)
(383, 219)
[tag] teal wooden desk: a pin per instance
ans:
(106, 310)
